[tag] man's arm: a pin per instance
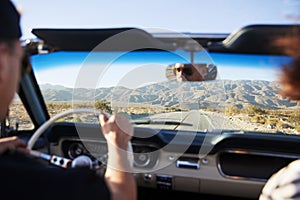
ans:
(11, 143)
(118, 131)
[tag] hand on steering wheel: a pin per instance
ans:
(64, 162)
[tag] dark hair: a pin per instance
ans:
(10, 30)
(290, 79)
(9, 20)
(290, 73)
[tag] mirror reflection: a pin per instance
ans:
(191, 72)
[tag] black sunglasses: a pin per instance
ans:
(185, 70)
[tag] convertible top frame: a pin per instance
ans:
(253, 39)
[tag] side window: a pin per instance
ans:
(18, 117)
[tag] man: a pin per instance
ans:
(23, 177)
(191, 72)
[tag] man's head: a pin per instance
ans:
(10, 53)
(190, 72)
(194, 72)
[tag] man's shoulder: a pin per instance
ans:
(23, 173)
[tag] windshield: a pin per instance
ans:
(243, 97)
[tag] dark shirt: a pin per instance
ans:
(22, 177)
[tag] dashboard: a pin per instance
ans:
(202, 162)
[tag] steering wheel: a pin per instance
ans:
(65, 162)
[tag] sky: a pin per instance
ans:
(194, 16)
(200, 16)
(135, 69)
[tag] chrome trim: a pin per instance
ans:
(143, 164)
(187, 164)
(243, 151)
(149, 160)
(60, 161)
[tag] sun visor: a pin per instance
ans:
(117, 39)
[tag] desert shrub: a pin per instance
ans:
(274, 121)
(59, 106)
(297, 128)
(295, 117)
(258, 119)
(232, 110)
(77, 119)
(103, 105)
(255, 110)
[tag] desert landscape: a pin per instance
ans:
(241, 105)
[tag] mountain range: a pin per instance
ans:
(213, 94)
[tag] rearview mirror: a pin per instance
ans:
(191, 72)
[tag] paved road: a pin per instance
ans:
(194, 120)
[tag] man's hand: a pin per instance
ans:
(117, 130)
(12, 143)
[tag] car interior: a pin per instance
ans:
(183, 146)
